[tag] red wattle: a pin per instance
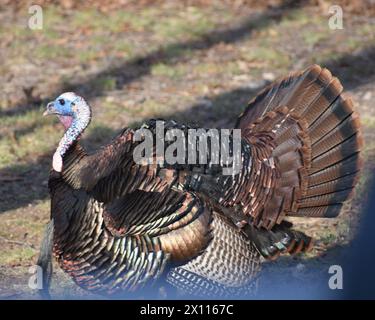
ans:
(66, 121)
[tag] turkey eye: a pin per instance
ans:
(62, 101)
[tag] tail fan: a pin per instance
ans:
(317, 143)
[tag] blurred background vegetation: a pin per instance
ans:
(196, 61)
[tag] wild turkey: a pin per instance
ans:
(118, 224)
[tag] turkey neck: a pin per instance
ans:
(80, 120)
(69, 147)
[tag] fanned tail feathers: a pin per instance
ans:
(317, 141)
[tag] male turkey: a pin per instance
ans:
(119, 225)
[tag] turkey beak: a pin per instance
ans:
(50, 109)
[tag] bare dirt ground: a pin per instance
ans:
(195, 63)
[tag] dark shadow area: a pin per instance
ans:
(297, 278)
(354, 69)
(359, 266)
(21, 185)
(170, 55)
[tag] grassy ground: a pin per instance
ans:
(197, 64)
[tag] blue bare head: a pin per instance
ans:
(75, 114)
(68, 104)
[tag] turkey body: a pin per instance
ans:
(128, 242)
(119, 225)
